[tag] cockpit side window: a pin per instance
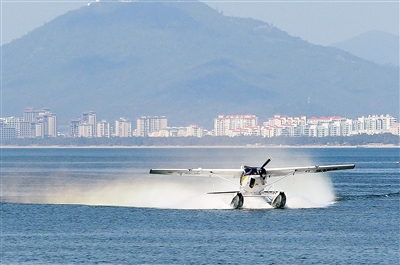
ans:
(250, 170)
(252, 182)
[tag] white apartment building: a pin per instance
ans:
(229, 125)
(103, 129)
(80, 127)
(123, 128)
(7, 132)
(284, 126)
(85, 130)
(279, 120)
(27, 129)
(12, 122)
(146, 125)
(395, 129)
(49, 124)
(374, 124)
(89, 117)
(73, 127)
(267, 131)
(30, 114)
(195, 131)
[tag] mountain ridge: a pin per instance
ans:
(188, 62)
(376, 46)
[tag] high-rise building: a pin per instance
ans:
(89, 117)
(7, 132)
(12, 122)
(27, 129)
(223, 125)
(49, 124)
(44, 122)
(85, 130)
(30, 114)
(73, 127)
(103, 129)
(146, 125)
(373, 124)
(123, 128)
(85, 126)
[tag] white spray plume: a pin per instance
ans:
(180, 192)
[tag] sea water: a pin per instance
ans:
(95, 206)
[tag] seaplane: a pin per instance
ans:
(254, 181)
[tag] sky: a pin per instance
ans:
(320, 22)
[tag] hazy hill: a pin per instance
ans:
(188, 62)
(377, 46)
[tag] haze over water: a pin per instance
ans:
(101, 206)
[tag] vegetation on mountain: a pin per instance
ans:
(188, 62)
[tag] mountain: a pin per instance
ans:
(376, 46)
(188, 62)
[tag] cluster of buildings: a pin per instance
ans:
(146, 126)
(43, 123)
(34, 124)
(247, 125)
(87, 126)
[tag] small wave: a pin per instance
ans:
(368, 196)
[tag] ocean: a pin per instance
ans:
(101, 206)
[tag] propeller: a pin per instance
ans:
(262, 170)
(266, 162)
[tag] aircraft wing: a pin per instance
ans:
(276, 172)
(197, 171)
(272, 172)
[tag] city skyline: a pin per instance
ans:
(42, 123)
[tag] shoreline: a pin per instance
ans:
(193, 147)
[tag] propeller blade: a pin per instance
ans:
(266, 162)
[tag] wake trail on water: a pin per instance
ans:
(172, 192)
(130, 191)
(393, 194)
